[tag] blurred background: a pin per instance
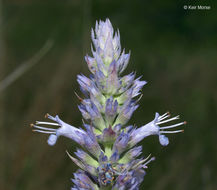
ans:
(42, 49)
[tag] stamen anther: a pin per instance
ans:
(46, 115)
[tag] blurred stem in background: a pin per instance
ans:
(23, 67)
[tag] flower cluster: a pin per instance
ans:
(108, 153)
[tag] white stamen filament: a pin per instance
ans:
(47, 132)
(150, 160)
(146, 158)
(165, 121)
(44, 128)
(164, 116)
(142, 161)
(46, 123)
(178, 131)
(172, 126)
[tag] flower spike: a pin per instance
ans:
(108, 155)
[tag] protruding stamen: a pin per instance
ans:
(47, 132)
(144, 162)
(178, 131)
(164, 116)
(50, 117)
(172, 126)
(150, 160)
(83, 121)
(81, 99)
(167, 113)
(165, 121)
(140, 97)
(44, 128)
(46, 123)
(146, 158)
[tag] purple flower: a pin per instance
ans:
(63, 130)
(153, 128)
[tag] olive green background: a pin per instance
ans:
(172, 48)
